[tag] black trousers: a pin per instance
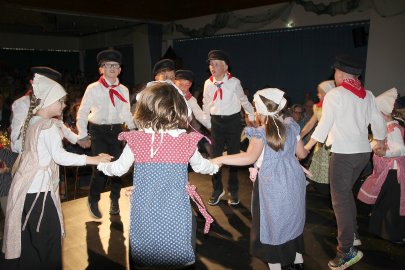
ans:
(226, 131)
(104, 139)
(40, 250)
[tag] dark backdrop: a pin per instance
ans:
(295, 59)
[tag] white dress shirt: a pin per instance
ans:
(96, 107)
(20, 109)
(50, 148)
(233, 98)
(126, 160)
(199, 114)
(345, 120)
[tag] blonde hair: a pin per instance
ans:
(161, 107)
(274, 127)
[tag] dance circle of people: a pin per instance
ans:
(163, 137)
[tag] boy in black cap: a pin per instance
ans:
(223, 99)
(20, 109)
(184, 80)
(347, 111)
(105, 107)
(164, 70)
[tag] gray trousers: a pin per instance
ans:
(344, 170)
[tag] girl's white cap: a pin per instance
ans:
(385, 102)
(326, 86)
(47, 90)
(275, 95)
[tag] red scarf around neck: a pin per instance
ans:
(218, 85)
(112, 91)
(354, 86)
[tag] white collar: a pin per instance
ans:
(171, 132)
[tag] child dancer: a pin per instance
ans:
(385, 188)
(278, 202)
(161, 217)
(34, 225)
(320, 160)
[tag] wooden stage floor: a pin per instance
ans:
(103, 244)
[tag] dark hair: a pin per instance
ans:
(161, 107)
(34, 102)
(271, 124)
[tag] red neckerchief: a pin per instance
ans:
(218, 85)
(354, 86)
(319, 104)
(112, 91)
(188, 95)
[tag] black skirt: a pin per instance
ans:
(385, 220)
(283, 254)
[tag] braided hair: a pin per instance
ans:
(34, 102)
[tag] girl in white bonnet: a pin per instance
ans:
(319, 167)
(278, 200)
(33, 227)
(385, 188)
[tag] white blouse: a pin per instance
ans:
(50, 148)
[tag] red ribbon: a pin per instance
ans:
(218, 85)
(112, 91)
(192, 193)
(354, 86)
(219, 90)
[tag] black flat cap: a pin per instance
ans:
(164, 64)
(349, 64)
(218, 55)
(48, 72)
(109, 55)
(183, 74)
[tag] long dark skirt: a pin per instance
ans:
(283, 254)
(385, 220)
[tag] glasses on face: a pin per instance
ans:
(62, 100)
(108, 65)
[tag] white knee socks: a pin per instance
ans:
(298, 258)
(275, 266)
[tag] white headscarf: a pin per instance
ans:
(326, 86)
(385, 102)
(275, 95)
(47, 90)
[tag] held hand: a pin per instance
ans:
(105, 157)
(253, 173)
(217, 161)
(379, 148)
(128, 191)
(84, 143)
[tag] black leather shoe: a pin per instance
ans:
(94, 211)
(114, 208)
(214, 200)
(293, 266)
